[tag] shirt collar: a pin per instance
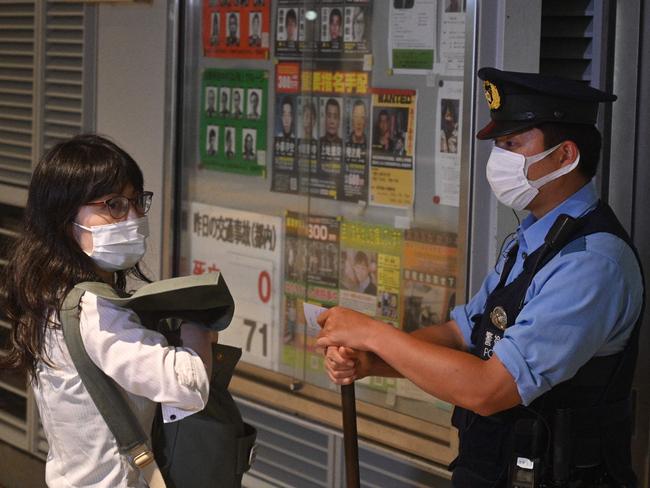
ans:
(531, 232)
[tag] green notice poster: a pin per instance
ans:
(233, 120)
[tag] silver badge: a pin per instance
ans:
(499, 317)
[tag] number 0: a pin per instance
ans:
(264, 286)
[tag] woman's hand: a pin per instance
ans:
(198, 338)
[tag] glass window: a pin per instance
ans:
(321, 165)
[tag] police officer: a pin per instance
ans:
(540, 361)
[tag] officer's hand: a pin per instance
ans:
(345, 365)
(342, 326)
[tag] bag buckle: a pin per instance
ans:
(252, 454)
(141, 456)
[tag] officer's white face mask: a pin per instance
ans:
(506, 172)
(118, 246)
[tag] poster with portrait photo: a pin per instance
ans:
(331, 29)
(229, 91)
(232, 30)
(328, 170)
(237, 103)
(215, 20)
(284, 177)
(249, 144)
(255, 29)
(254, 103)
(308, 34)
(236, 29)
(354, 177)
(321, 129)
(210, 97)
(229, 143)
(357, 35)
(224, 101)
(392, 175)
(287, 31)
(370, 274)
(212, 140)
(311, 274)
(448, 142)
(429, 271)
(307, 128)
(284, 142)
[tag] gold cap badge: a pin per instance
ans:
(492, 95)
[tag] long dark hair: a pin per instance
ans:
(46, 261)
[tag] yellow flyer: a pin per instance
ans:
(392, 174)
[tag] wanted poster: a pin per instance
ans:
(392, 170)
(236, 28)
(333, 112)
(328, 30)
(287, 86)
(233, 121)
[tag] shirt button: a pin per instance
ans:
(524, 255)
(172, 417)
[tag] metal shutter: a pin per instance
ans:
(46, 95)
(44, 84)
(18, 38)
(572, 39)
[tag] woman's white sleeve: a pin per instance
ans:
(140, 360)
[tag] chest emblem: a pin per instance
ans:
(499, 317)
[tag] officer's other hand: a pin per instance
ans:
(345, 365)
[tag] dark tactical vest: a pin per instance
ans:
(582, 422)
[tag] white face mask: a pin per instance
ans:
(506, 172)
(118, 246)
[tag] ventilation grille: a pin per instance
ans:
(41, 82)
(64, 69)
(17, 74)
(567, 44)
(299, 454)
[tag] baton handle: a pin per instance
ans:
(350, 436)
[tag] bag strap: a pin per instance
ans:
(131, 439)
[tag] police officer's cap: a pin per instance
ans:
(519, 101)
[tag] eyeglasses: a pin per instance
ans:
(118, 206)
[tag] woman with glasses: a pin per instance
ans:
(86, 220)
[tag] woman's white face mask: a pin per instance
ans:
(507, 174)
(118, 246)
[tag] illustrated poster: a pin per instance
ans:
(370, 260)
(428, 289)
(311, 273)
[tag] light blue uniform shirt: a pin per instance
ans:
(583, 303)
